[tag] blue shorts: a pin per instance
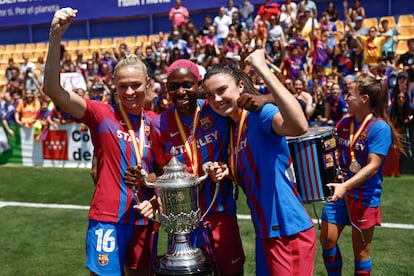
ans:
(110, 246)
(336, 213)
(362, 216)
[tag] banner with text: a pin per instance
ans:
(69, 146)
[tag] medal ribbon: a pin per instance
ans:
(234, 150)
(139, 151)
(353, 138)
(191, 151)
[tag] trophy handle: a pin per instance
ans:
(213, 200)
(205, 168)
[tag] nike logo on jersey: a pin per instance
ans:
(362, 220)
(122, 123)
(172, 134)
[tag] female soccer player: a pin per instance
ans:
(260, 163)
(200, 135)
(117, 234)
(364, 139)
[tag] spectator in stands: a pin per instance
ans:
(67, 64)
(388, 48)
(382, 70)
(246, 14)
(190, 30)
(293, 66)
(274, 33)
(8, 105)
(175, 42)
(204, 30)
(178, 15)
(372, 45)
(333, 13)
(356, 10)
(322, 51)
(15, 81)
(307, 25)
(210, 43)
(407, 61)
(11, 66)
(277, 53)
(26, 109)
(108, 60)
(222, 23)
(231, 8)
(404, 86)
(354, 20)
(121, 51)
(27, 64)
(344, 62)
(319, 103)
(401, 116)
(42, 120)
(236, 25)
(336, 107)
(267, 9)
(288, 13)
(308, 5)
(306, 97)
(289, 86)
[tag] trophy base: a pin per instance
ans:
(207, 268)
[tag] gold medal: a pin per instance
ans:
(354, 167)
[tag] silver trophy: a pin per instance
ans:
(180, 215)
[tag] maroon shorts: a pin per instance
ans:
(363, 216)
(227, 243)
(291, 255)
(139, 252)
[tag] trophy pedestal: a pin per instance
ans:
(205, 269)
(183, 259)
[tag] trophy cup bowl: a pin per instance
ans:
(179, 191)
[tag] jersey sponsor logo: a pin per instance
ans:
(201, 141)
(103, 259)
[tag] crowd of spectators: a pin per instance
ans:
(305, 49)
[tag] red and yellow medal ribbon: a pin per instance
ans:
(191, 151)
(234, 149)
(139, 150)
(353, 138)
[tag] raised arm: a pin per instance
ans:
(290, 121)
(68, 101)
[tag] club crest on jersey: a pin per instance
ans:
(103, 259)
(147, 130)
(205, 123)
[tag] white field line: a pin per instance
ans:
(82, 207)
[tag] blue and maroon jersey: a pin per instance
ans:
(345, 63)
(112, 200)
(293, 67)
(375, 138)
(263, 166)
(320, 56)
(338, 107)
(212, 137)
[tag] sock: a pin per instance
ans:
(363, 268)
(333, 261)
